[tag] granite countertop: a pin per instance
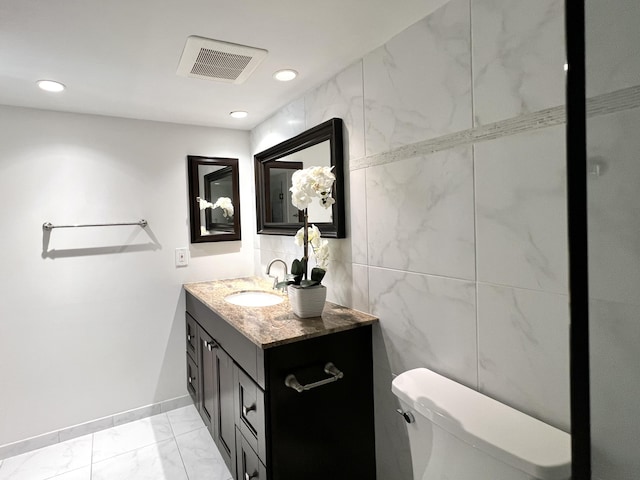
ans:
(274, 325)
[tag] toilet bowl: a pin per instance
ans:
(456, 433)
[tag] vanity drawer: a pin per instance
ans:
(191, 336)
(242, 350)
(192, 380)
(250, 411)
(249, 466)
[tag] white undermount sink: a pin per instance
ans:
(254, 299)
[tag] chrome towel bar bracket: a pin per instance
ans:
(292, 382)
(48, 226)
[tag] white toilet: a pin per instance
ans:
(456, 433)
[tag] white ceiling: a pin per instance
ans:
(119, 57)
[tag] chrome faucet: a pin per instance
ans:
(275, 277)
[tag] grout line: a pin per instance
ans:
(479, 282)
(526, 289)
(366, 221)
(444, 277)
(154, 442)
(364, 112)
(178, 447)
(475, 209)
(472, 86)
(475, 202)
(93, 436)
(475, 246)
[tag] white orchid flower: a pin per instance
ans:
(225, 204)
(313, 236)
(321, 253)
(307, 184)
(204, 204)
(312, 182)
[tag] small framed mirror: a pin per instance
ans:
(214, 199)
(318, 146)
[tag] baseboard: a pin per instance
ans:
(64, 434)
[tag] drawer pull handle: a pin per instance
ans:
(292, 382)
(188, 337)
(246, 410)
(210, 345)
(190, 380)
(250, 477)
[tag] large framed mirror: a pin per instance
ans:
(214, 199)
(318, 146)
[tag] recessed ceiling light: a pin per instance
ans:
(285, 75)
(239, 114)
(50, 85)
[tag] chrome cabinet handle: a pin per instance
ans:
(246, 410)
(250, 477)
(292, 382)
(210, 345)
(188, 337)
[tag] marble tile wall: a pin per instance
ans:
(418, 85)
(614, 288)
(612, 53)
(518, 57)
(613, 147)
(521, 210)
(462, 253)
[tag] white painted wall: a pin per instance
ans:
(91, 321)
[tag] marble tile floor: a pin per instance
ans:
(171, 446)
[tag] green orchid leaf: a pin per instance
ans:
(281, 285)
(317, 274)
(297, 268)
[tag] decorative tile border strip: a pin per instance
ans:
(57, 436)
(607, 103)
(618, 101)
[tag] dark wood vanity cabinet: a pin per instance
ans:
(267, 430)
(216, 403)
(193, 378)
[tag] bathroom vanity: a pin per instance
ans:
(283, 397)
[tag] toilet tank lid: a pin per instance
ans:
(505, 433)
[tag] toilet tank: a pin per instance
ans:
(458, 433)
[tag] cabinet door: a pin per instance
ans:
(249, 465)
(206, 363)
(249, 403)
(192, 380)
(224, 426)
(192, 337)
(326, 432)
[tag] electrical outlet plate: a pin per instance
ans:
(182, 257)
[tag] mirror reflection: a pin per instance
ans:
(319, 146)
(278, 175)
(216, 206)
(214, 199)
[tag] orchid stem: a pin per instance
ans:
(306, 242)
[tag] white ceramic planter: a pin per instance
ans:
(307, 302)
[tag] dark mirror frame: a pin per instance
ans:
(330, 130)
(231, 165)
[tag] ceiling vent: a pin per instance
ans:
(219, 61)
